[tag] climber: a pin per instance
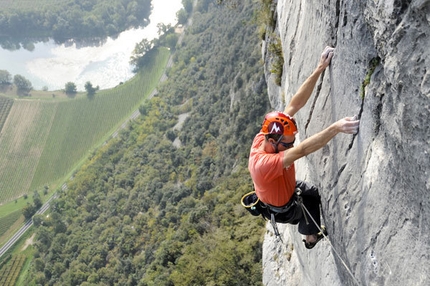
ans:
(272, 156)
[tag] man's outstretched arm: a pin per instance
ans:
(348, 125)
(301, 97)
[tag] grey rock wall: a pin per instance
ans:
(375, 186)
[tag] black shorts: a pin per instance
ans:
(294, 214)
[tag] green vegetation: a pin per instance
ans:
(5, 106)
(277, 68)
(14, 266)
(184, 13)
(67, 19)
(265, 18)
(7, 221)
(5, 78)
(22, 84)
(9, 273)
(70, 88)
(372, 65)
(91, 91)
(141, 211)
(44, 140)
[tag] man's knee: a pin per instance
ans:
(309, 192)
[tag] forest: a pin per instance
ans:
(63, 20)
(160, 204)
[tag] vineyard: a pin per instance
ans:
(21, 144)
(42, 141)
(7, 221)
(9, 273)
(5, 106)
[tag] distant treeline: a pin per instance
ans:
(72, 18)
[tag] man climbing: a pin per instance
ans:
(272, 156)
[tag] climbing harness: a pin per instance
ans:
(296, 200)
(256, 207)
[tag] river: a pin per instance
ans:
(51, 66)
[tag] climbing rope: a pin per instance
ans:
(338, 255)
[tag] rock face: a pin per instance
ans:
(375, 186)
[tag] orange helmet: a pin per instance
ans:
(279, 123)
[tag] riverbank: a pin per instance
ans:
(106, 65)
(11, 92)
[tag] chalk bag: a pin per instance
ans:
(251, 203)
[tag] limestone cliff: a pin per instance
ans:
(375, 186)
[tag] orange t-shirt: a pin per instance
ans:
(273, 183)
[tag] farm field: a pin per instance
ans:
(22, 141)
(5, 106)
(42, 141)
(9, 274)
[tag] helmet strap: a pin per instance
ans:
(277, 143)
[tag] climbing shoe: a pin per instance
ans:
(310, 245)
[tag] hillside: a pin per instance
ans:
(43, 140)
(375, 186)
(144, 212)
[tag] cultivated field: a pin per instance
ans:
(9, 273)
(22, 140)
(5, 106)
(42, 141)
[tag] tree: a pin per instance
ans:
(91, 91)
(38, 220)
(171, 135)
(28, 211)
(21, 83)
(163, 28)
(171, 40)
(5, 77)
(45, 190)
(182, 16)
(145, 108)
(142, 48)
(188, 5)
(37, 201)
(70, 88)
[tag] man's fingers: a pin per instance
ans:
(351, 125)
(327, 53)
(353, 118)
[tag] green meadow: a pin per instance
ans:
(43, 140)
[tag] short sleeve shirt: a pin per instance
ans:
(273, 183)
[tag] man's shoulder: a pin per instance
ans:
(257, 142)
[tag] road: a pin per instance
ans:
(25, 227)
